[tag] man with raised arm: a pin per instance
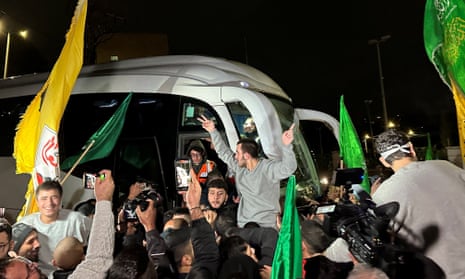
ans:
(257, 179)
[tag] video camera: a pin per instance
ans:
(149, 192)
(362, 225)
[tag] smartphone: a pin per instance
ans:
(322, 209)
(88, 180)
(182, 170)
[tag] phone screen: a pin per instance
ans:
(183, 178)
(88, 180)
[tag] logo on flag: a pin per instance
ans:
(47, 162)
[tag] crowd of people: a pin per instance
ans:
(216, 235)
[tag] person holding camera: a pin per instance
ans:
(130, 229)
(431, 197)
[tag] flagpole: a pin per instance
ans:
(77, 162)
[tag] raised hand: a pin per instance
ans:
(288, 135)
(207, 124)
(104, 186)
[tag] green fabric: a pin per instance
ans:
(350, 149)
(429, 149)
(104, 139)
(443, 36)
(287, 260)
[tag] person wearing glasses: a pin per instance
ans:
(202, 166)
(6, 243)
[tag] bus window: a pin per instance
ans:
(306, 174)
(245, 124)
(139, 157)
(192, 110)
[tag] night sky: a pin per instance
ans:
(315, 53)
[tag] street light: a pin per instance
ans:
(22, 33)
(381, 77)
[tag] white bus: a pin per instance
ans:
(169, 92)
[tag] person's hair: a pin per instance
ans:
(5, 226)
(50, 185)
(314, 236)
(176, 213)
(386, 140)
(180, 249)
(68, 253)
(232, 246)
(214, 175)
(130, 263)
(219, 183)
(249, 146)
(223, 223)
(86, 208)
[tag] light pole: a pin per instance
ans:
(381, 77)
(7, 54)
(367, 105)
(22, 33)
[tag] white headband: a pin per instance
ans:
(394, 148)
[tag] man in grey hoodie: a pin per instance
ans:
(257, 179)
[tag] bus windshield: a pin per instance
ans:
(308, 183)
(306, 174)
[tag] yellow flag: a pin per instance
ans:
(36, 143)
(459, 99)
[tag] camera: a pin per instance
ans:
(129, 207)
(363, 225)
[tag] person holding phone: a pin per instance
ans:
(257, 179)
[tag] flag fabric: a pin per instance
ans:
(350, 149)
(443, 32)
(287, 260)
(429, 149)
(104, 139)
(36, 143)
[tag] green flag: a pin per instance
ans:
(287, 260)
(103, 141)
(350, 149)
(444, 26)
(429, 149)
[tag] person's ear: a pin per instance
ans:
(412, 150)
(383, 161)
(54, 263)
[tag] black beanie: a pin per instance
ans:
(20, 232)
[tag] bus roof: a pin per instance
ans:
(207, 70)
